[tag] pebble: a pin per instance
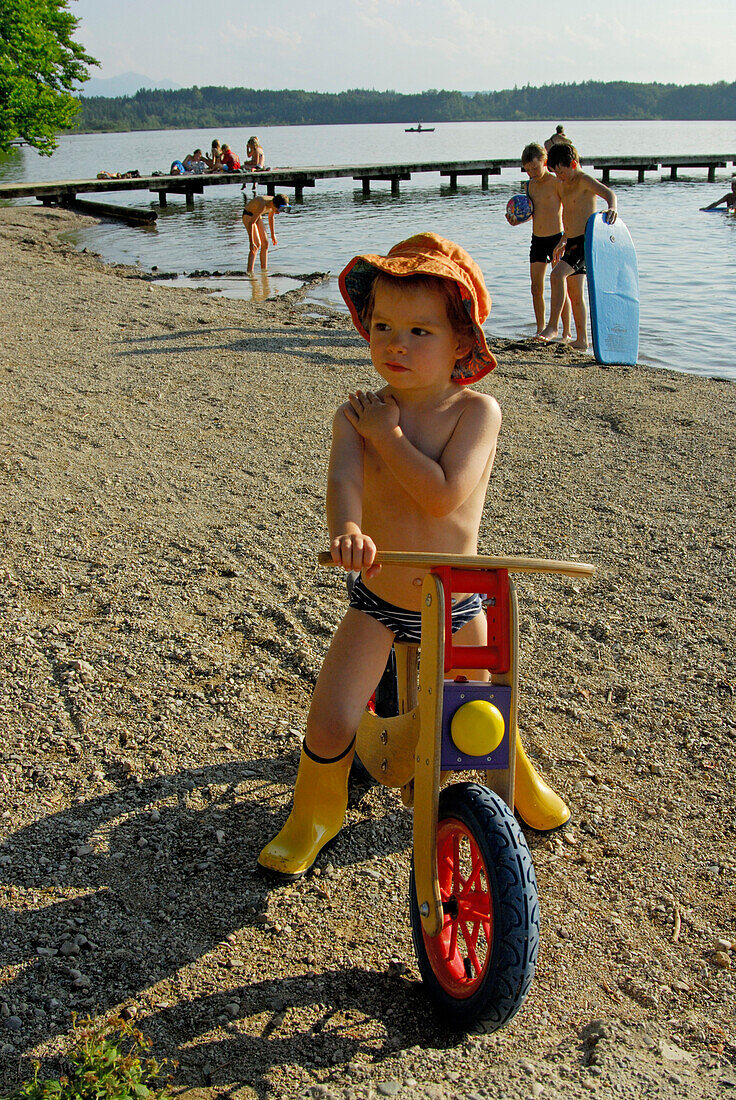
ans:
(388, 1088)
(14, 1023)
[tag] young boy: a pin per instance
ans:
(546, 230)
(409, 467)
(253, 222)
(578, 192)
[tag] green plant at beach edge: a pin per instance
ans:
(108, 1061)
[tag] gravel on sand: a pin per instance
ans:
(163, 458)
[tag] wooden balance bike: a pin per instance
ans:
(473, 893)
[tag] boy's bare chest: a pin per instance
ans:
(544, 195)
(430, 434)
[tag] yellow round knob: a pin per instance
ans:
(477, 727)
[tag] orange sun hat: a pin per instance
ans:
(427, 254)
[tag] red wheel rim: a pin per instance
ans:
(461, 952)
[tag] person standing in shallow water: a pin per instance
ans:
(253, 222)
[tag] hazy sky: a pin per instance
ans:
(409, 45)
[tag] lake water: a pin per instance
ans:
(687, 259)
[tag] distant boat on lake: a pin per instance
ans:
(419, 129)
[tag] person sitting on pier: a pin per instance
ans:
(214, 160)
(578, 192)
(230, 160)
(256, 158)
(729, 198)
(253, 222)
(194, 162)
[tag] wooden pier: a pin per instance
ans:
(64, 192)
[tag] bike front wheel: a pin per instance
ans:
(480, 966)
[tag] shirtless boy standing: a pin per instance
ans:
(546, 230)
(578, 192)
(409, 467)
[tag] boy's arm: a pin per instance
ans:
(713, 205)
(348, 545)
(440, 486)
(607, 195)
(271, 213)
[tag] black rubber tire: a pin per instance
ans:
(471, 814)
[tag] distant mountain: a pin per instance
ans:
(125, 84)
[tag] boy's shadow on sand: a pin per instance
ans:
(162, 895)
(289, 341)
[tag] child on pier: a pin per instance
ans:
(546, 230)
(578, 192)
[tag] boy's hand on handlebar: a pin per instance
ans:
(610, 216)
(354, 553)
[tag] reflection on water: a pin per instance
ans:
(249, 288)
(687, 260)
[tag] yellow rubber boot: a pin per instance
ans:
(535, 801)
(317, 814)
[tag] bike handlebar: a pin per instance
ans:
(476, 561)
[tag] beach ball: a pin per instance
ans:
(477, 728)
(519, 209)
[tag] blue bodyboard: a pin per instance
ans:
(613, 291)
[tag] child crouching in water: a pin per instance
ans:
(409, 468)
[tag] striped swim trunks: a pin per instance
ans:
(406, 626)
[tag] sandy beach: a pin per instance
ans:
(162, 620)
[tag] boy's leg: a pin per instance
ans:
(254, 240)
(353, 666)
(566, 318)
(473, 633)
(558, 280)
(537, 272)
(575, 286)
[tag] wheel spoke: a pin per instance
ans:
(455, 864)
(470, 944)
(477, 912)
(452, 949)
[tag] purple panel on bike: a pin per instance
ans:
(455, 695)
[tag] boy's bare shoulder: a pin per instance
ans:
(482, 406)
(587, 181)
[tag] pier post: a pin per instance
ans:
(484, 181)
(711, 173)
(162, 198)
(366, 187)
(271, 189)
(394, 185)
(640, 175)
(453, 181)
(673, 172)
(606, 175)
(298, 192)
(189, 198)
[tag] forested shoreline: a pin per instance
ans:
(195, 108)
